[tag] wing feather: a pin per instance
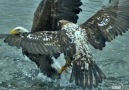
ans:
(44, 42)
(107, 23)
(49, 12)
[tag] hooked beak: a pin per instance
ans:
(13, 32)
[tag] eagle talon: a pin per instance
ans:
(64, 68)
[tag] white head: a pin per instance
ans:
(18, 30)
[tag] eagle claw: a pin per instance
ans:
(64, 68)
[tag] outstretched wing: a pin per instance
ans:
(49, 12)
(107, 23)
(47, 43)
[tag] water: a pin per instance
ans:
(19, 73)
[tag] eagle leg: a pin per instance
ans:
(67, 64)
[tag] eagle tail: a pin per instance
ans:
(87, 74)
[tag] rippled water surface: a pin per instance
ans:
(19, 73)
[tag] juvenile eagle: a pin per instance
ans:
(46, 17)
(72, 40)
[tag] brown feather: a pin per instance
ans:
(107, 23)
(44, 43)
(49, 12)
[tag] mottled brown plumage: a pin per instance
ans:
(107, 23)
(72, 40)
(49, 12)
(46, 16)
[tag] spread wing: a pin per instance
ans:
(47, 43)
(49, 12)
(107, 23)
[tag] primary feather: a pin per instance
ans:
(73, 40)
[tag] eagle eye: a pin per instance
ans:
(18, 29)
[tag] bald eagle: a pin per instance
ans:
(46, 17)
(73, 40)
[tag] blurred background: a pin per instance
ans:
(19, 73)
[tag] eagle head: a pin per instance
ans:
(61, 23)
(18, 30)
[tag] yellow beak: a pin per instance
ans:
(13, 32)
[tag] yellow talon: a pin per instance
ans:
(63, 69)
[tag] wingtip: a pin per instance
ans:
(2, 36)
